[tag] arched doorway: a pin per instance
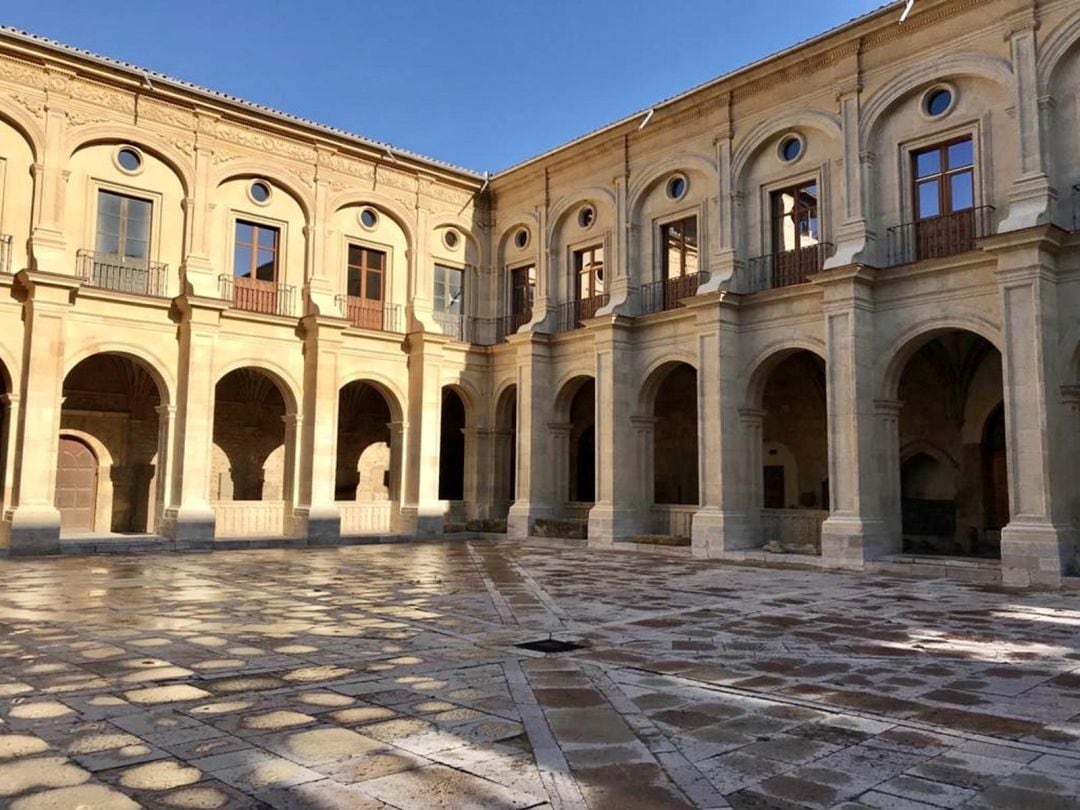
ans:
(505, 453)
(583, 444)
(668, 432)
(794, 446)
(368, 459)
(953, 476)
(110, 402)
(76, 485)
(452, 447)
(250, 485)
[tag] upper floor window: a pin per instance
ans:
(795, 222)
(944, 178)
(589, 271)
(449, 289)
(522, 288)
(123, 226)
(255, 255)
(365, 273)
(679, 245)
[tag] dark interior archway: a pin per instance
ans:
(583, 443)
(953, 475)
(452, 447)
(675, 437)
(249, 438)
(113, 399)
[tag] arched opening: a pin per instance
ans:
(452, 447)
(675, 445)
(250, 481)
(368, 460)
(505, 475)
(110, 443)
(953, 476)
(583, 444)
(794, 445)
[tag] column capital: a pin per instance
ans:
(888, 407)
(752, 417)
(9, 400)
(167, 411)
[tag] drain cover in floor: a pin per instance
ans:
(549, 645)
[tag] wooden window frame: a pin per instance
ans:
(529, 271)
(254, 248)
(579, 270)
(363, 269)
(943, 176)
(777, 215)
(665, 253)
(464, 287)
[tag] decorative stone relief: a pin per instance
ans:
(166, 114)
(242, 136)
(100, 94)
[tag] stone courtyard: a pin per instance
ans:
(387, 676)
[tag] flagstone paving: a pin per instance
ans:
(388, 676)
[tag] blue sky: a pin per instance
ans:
(483, 83)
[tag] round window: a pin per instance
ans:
(129, 159)
(676, 187)
(586, 216)
(521, 238)
(790, 148)
(260, 191)
(368, 218)
(451, 238)
(938, 101)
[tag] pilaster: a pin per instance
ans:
(536, 462)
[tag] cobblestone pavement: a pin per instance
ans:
(387, 676)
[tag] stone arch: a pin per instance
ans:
(28, 128)
(992, 68)
(505, 450)
(1054, 48)
(759, 369)
(526, 220)
(288, 182)
(146, 359)
(904, 346)
(391, 393)
(567, 388)
(470, 398)
(453, 443)
(388, 206)
(656, 173)
(369, 454)
(654, 376)
(111, 403)
(286, 384)
(113, 133)
(827, 123)
(564, 207)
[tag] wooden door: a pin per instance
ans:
(76, 486)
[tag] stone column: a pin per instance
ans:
(199, 277)
(422, 511)
(317, 516)
(723, 261)
(645, 433)
(163, 481)
(477, 469)
(854, 239)
(501, 491)
(558, 434)
(536, 453)
(722, 522)
(752, 421)
(48, 246)
(32, 514)
(617, 513)
(189, 517)
(855, 530)
(887, 412)
(291, 527)
(397, 432)
(1038, 545)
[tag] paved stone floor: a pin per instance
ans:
(386, 676)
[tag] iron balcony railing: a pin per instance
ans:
(938, 237)
(368, 314)
(107, 271)
(265, 297)
(785, 269)
(452, 324)
(519, 319)
(5, 252)
(667, 293)
(572, 314)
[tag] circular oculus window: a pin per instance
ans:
(129, 159)
(676, 187)
(791, 148)
(938, 101)
(521, 238)
(586, 216)
(451, 238)
(368, 218)
(259, 191)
